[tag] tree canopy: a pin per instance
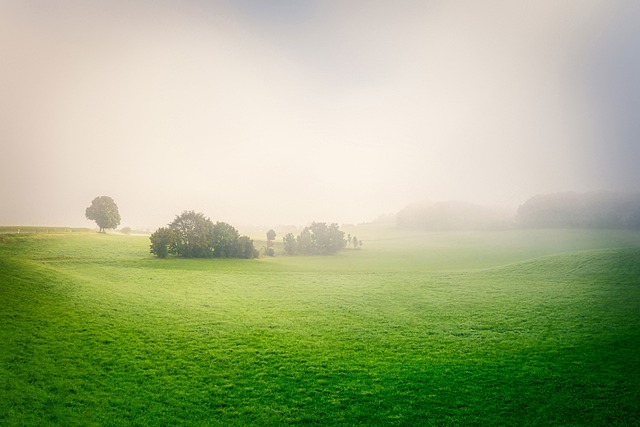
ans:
(104, 212)
(161, 240)
(316, 239)
(192, 235)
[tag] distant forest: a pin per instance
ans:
(575, 210)
(449, 216)
(558, 210)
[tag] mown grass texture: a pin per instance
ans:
(538, 328)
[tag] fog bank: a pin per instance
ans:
(311, 110)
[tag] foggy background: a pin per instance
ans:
(284, 112)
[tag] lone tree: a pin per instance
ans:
(271, 236)
(104, 212)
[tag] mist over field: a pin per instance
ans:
(286, 112)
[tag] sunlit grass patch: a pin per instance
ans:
(96, 331)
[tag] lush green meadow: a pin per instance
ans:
(496, 328)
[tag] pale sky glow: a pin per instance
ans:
(284, 112)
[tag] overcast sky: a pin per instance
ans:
(288, 111)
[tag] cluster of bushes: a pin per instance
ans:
(192, 235)
(586, 210)
(316, 239)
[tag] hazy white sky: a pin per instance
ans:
(288, 111)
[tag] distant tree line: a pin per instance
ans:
(557, 210)
(448, 216)
(315, 239)
(192, 235)
(576, 210)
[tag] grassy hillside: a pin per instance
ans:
(509, 328)
(4, 229)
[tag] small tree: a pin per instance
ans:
(290, 244)
(245, 248)
(161, 241)
(304, 242)
(104, 212)
(271, 235)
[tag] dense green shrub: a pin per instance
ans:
(161, 240)
(192, 235)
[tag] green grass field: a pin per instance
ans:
(501, 328)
